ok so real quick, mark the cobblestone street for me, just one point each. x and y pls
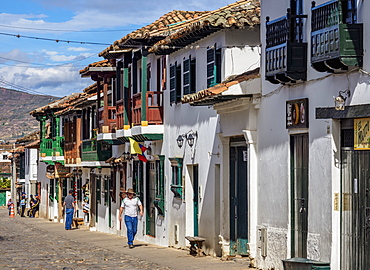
(27, 243)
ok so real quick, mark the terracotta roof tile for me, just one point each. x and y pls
(29, 137)
(103, 63)
(241, 14)
(221, 87)
(156, 28)
(57, 104)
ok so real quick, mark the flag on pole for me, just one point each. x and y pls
(134, 147)
(139, 149)
(142, 157)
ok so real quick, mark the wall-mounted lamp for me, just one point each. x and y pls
(180, 140)
(189, 137)
(340, 100)
(127, 156)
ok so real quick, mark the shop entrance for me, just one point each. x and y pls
(355, 210)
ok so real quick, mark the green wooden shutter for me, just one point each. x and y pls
(211, 67)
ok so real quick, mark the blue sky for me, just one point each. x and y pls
(52, 68)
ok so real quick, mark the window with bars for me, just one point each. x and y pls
(213, 66)
(188, 76)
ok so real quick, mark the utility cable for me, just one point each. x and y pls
(56, 40)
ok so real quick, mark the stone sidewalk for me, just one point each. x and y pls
(143, 256)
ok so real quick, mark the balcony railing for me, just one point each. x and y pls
(46, 147)
(286, 54)
(52, 147)
(334, 43)
(154, 108)
(107, 123)
(93, 150)
(120, 114)
(70, 152)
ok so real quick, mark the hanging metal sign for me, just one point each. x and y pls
(297, 113)
(362, 134)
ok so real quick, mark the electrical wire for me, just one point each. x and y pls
(66, 30)
(56, 40)
(46, 65)
(20, 88)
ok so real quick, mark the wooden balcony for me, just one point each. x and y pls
(71, 153)
(120, 114)
(93, 150)
(107, 123)
(154, 108)
(286, 58)
(52, 147)
(335, 44)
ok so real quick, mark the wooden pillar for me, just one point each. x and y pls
(144, 78)
(78, 137)
(105, 113)
(126, 88)
(98, 105)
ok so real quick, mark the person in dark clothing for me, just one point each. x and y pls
(69, 206)
(32, 202)
(35, 206)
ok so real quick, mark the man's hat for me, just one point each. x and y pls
(130, 190)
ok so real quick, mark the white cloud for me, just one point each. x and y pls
(58, 81)
(78, 49)
(97, 14)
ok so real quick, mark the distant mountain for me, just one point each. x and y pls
(15, 108)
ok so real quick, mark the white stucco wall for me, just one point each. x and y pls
(324, 152)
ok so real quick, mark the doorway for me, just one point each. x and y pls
(150, 198)
(195, 179)
(238, 197)
(299, 194)
(355, 210)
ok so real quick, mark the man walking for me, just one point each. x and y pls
(69, 205)
(130, 204)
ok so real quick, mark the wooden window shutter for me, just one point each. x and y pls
(178, 83)
(173, 82)
(218, 66)
(186, 76)
(164, 72)
(193, 76)
(211, 67)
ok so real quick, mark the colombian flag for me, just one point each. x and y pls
(139, 149)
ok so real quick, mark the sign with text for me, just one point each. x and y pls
(297, 113)
(362, 134)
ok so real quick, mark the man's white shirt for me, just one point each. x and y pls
(131, 206)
